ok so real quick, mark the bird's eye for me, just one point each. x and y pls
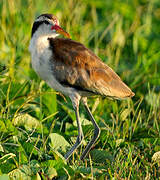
(46, 22)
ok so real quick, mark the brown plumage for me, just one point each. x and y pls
(77, 66)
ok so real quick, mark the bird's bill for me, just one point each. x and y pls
(61, 31)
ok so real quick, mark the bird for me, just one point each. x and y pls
(72, 69)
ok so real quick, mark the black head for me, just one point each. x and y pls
(44, 18)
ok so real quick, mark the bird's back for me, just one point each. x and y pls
(76, 66)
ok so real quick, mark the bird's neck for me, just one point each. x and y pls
(40, 41)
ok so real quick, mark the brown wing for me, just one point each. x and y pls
(77, 66)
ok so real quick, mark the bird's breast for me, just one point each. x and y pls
(41, 62)
(41, 55)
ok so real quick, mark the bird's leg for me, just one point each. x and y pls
(80, 132)
(96, 130)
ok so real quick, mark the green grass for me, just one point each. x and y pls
(37, 124)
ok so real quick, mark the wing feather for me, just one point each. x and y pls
(79, 67)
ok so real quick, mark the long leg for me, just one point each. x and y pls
(96, 130)
(80, 133)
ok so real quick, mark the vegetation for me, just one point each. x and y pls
(37, 124)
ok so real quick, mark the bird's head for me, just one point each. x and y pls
(48, 24)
